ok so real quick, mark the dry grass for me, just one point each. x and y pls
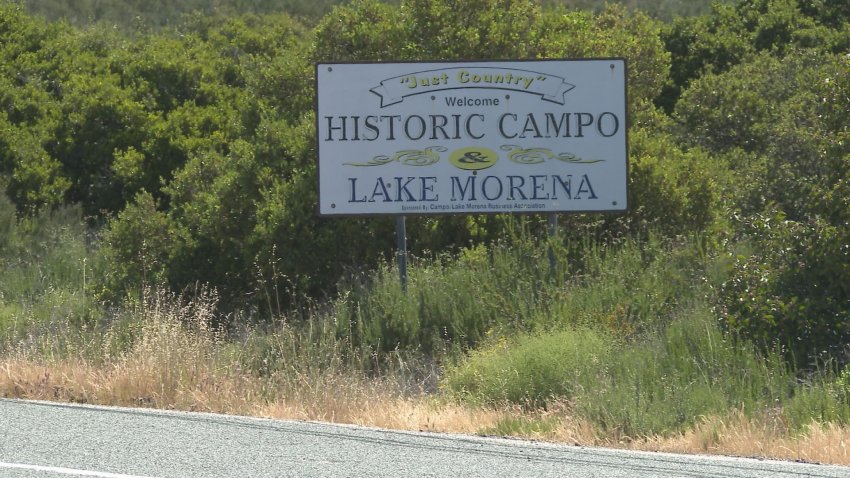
(741, 436)
(176, 361)
(336, 399)
(342, 400)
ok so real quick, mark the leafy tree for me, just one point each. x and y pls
(672, 190)
(28, 111)
(162, 14)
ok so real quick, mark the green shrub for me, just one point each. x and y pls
(139, 244)
(791, 291)
(532, 369)
(451, 302)
(823, 398)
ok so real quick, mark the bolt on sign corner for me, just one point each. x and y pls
(472, 137)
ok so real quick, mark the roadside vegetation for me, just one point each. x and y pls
(159, 246)
(164, 14)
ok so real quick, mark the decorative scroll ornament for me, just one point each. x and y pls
(408, 157)
(540, 155)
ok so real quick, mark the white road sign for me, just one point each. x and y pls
(472, 137)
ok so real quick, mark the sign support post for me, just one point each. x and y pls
(401, 250)
(553, 232)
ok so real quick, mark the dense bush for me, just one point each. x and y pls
(793, 290)
(735, 31)
(785, 120)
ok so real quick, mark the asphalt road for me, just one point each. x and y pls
(47, 440)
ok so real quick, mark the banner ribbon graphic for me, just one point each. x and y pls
(549, 87)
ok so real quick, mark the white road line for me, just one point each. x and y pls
(67, 471)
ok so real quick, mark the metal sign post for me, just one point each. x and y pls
(553, 232)
(401, 247)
